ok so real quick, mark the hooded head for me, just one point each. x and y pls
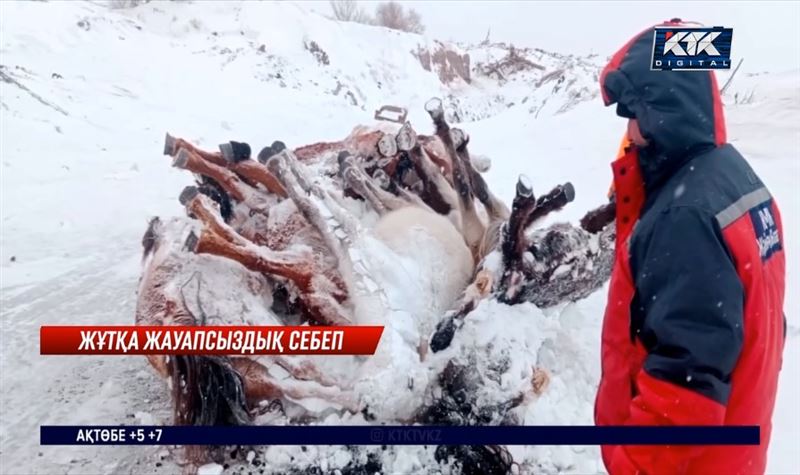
(679, 113)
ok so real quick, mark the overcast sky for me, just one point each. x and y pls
(765, 34)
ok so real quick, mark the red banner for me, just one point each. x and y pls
(213, 340)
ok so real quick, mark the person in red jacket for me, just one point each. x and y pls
(694, 330)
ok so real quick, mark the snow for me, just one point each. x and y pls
(210, 469)
(82, 176)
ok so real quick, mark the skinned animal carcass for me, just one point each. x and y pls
(384, 227)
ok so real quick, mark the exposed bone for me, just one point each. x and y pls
(279, 165)
(285, 166)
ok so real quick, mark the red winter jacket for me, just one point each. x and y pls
(693, 331)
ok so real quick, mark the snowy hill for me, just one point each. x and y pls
(87, 94)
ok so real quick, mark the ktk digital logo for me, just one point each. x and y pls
(691, 49)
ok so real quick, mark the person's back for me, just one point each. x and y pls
(693, 331)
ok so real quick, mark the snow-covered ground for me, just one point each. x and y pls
(86, 96)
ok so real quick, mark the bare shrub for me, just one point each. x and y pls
(393, 15)
(349, 10)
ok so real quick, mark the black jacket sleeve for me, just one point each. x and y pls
(688, 308)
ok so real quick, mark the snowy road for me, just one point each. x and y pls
(74, 390)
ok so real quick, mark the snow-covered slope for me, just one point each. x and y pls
(87, 94)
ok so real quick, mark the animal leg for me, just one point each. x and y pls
(405, 196)
(319, 293)
(173, 144)
(473, 228)
(233, 185)
(436, 191)
(554, 200)
(200, 206)
(380, 199)
(249, 170)
(495, 208)
(297, 266)
(595, 220)
(523, 205)
(254, 172)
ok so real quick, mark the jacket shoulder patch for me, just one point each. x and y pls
(766, 229)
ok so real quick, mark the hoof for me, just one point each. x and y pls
(169, 144)
(278, 146)
(524, 187)
(444, 334)
(188, 194)
(434, 108)
(265, 154)
(181, 159)
(227, 151)
(569, 192)
(270, 151)
(235, 152)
